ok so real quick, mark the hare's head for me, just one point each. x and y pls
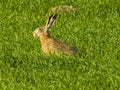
(44, 31)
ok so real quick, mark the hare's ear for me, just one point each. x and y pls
(51, 21)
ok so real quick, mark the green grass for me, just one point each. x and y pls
(94, 29)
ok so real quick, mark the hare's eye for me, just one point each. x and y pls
(40, 29)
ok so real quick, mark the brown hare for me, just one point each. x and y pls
(49, 44)
(65, 8)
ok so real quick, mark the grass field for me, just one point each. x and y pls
(94, 29)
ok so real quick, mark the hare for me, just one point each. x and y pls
(65, 8)
(49, 44)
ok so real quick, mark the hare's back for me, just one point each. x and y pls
(60, 47)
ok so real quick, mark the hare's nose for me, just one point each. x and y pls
(34, 34)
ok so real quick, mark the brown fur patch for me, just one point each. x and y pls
(65, 8)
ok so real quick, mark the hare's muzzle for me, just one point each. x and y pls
(34, 34)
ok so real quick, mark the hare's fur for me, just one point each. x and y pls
(65, 8)
(49, 44)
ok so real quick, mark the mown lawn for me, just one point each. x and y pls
(94, 29)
